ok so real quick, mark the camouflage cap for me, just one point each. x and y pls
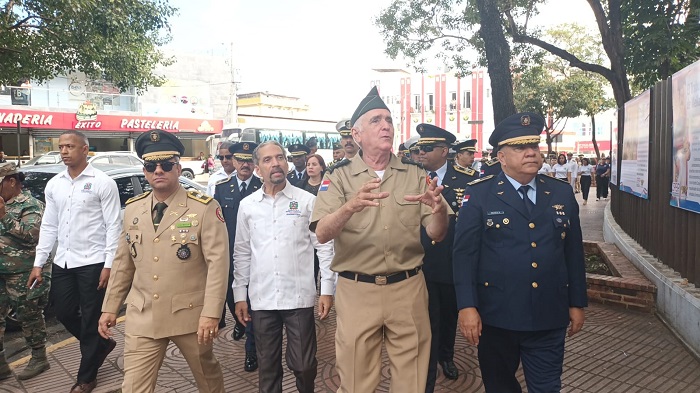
(7, 168)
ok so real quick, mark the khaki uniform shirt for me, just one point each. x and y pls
(172, 275)
(377, 240)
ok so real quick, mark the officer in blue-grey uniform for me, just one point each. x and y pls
(492, 166)
(518, 264)
(298, 152)
(433, 145)
(229, 193)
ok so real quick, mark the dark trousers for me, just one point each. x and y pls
(442, 310)
(249, 333)
(78, 306)
(542, 354)
(316, 270)
(301, 348)
(585, 186)
(601, 186)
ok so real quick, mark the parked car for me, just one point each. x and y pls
(130, 182)
(115, 157)
(45, 159)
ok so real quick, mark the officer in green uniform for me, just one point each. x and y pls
(20, 220)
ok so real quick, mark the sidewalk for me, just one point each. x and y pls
(617, 351)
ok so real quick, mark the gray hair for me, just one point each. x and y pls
(256, 159)
(225, 145)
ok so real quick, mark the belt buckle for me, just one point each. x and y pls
(380, 280)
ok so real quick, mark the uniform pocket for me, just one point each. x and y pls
(409, 212)
(187, 301)
(135, 299)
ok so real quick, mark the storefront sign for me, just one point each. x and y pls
(46, 120)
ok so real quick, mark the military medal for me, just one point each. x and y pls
(128, 238)
(183, 252)
(172, 238)
(195, 223)
(193, 238)
(133, 250)
(136, 220)
(506, 221)
(489, 222)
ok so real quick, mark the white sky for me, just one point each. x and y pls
(321, 51)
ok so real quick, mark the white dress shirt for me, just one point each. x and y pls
(274, 251)
(441, 172)
(82, 214)
(215, 178)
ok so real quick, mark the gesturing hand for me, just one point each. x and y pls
(432, 197)
(365, 197)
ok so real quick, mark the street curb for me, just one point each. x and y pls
(54, 347)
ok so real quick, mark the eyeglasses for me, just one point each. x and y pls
(227, 156)
(166, 166)
(429, 148)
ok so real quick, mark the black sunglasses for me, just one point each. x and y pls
(166, 166)
(228, 157)
(429, 148)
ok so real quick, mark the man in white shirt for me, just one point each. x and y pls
(573, 169)
(82, 214)
(227, 168)
(274, 265)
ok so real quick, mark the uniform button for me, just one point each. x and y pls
(498, 225)
(534, 285)
(190, 306)
(533, 244)
(155, 278)
(534, 265)
(155, 259)
(155, 296)
(386, 227)
(486, 284)
(532, 225)
(433, 242)
(156, 240)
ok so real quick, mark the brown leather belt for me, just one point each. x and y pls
(381, 280)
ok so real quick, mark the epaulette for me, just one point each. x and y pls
(479, 180)
(222, 181)
(199, 197)
(138, 197)
(492, 162)
(409, 161)
(565, 181)
(466, 171)
(337, 165)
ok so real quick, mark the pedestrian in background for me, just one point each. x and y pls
(171, 268)
(372, 206)
(20, 220)
(560, 170)
(586, 171)
(545, 169)
(602, 177)
(82, 214)
(518, 264)
(227, 169)
(273, 258)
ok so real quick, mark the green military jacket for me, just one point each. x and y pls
(19, 233)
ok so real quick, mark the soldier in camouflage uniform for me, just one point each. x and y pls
(20, 220)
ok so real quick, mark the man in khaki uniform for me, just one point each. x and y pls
(373, 206)
(173, 262)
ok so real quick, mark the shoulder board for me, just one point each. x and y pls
(561, 180)
(466, 171)
(409, 161)
(222, 181)
(338, 164)
(199, 197)
(138, 197)
(480, 180)
(492, 162)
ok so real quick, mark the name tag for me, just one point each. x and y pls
(495, 213)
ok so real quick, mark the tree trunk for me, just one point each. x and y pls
(595, 143)
(498, 57)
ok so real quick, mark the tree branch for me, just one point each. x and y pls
(568, 56)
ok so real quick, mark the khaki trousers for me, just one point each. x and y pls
(396, 314)
(143, 357)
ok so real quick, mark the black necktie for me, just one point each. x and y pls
(160, 208)
(298, 175)
(432, 175)
(526, 199)
(243, 188)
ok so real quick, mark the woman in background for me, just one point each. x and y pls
(315, 169)
(560, 170)
(586, 170)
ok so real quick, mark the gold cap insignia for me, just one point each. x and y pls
(246, 146)
(154, 136)
(525, 120)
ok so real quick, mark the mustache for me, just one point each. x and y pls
(276, 170)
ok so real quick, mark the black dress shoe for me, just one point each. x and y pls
(449, 369)
(251, 362)
(238, 332)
